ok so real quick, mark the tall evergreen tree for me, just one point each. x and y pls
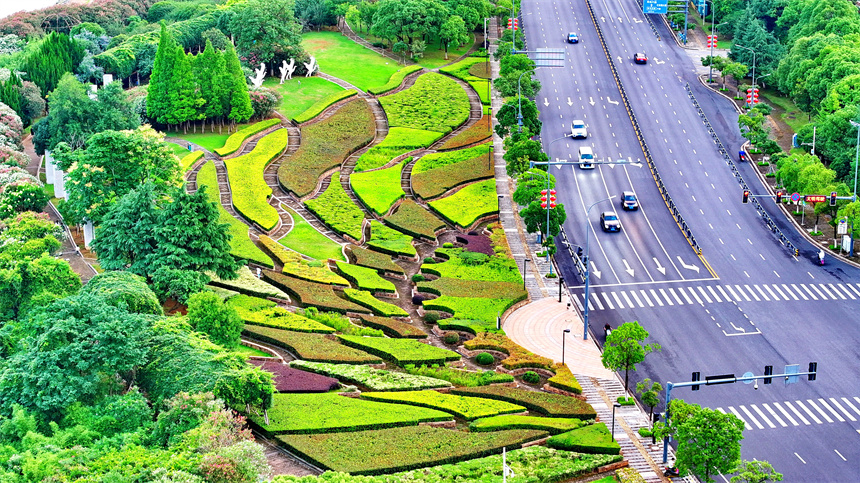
(183, 94)
(56, 55)
(158, 95)
(240, 102)
(208, 75)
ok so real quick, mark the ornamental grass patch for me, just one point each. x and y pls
(471, 326)
(400, 449)
(325, 145)
(399, 140)
(594, 438)
(564, 380)
(396, 80)
(247, 284)
(372, 378)
(188, 160)
(310, 347)
(372, 259)
(464, 266)
(249, 190)
(378, 307)
(460, 377)
(305, 239)
(340, 323)
(414, 220)
(380, 188)
(553, 405)
(468, 204)
(287, 379)
(464, 407)
(296, 266)
(435, 103)
(337, 211)
(471, 308)
(518, 356)
(390, 241)
(365, 278)
(321, 105)
(516, 421)
(480, 131)
(436, 173)
(401, 351)
(235, 141)
(393, 327)
(325, 413)
(312, 294)
(258, 311)
(473, 288)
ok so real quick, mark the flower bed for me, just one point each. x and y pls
(371, 259)
(287, 379)
(378, 307)
(499, 268)
(396, 80)
(468, 204)
(399, 140)
(235, 141)
(326, 144)
(473, 288)
(325, 413)
(365, 278)
(554, 405)
(373, 379)
(564, 380)
(465, 407)
(480, 131)
(378, 189)
(296, 266)
(337, 211)
(435, 103)
(249, 189)
(189, 159)
(248, 284)
(305, 239)
(390, 241)
(436, 173)
(412, 219)
(312, 294)
(517, 355)
(460, 377)
(321, 105)
(472, 308)
(401, 351)
(590, 439)
(471, 326)
(257, 311)
(515, 421)
(400, 449)
(310, 347)
(393, 327)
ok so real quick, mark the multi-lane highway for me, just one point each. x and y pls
(747, 301)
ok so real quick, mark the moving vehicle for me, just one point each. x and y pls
(640, 58)
(629, 201)
(578, 129)
(609, 221)
(572, 38)
(586, 158)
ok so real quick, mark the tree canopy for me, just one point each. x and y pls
(625, 349)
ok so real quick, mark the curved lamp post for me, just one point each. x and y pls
(548, 208)
(587, 277)
(753, 66)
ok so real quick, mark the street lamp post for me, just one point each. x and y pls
(587, 277)
(525, 261)
(856, 159)
(565, 332)
(614, 407)
(520, 103)
(547, 212)
(753, 66)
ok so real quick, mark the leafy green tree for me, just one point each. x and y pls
(264, 30)
(208, 69)
(735, 70)
(125, 239)
(124, 290)
(530, 183)
(367, 10)
(22, 197)
(789, 168)
(184, 97)
(183, 412)
(453, 31)
(208, 313)
(535, 218)
(751, 32)
(508, 113)
(315, 13)
(55, 55)
(649, 395)
(158, 95)
(805, 18)
(851, 212)
(755, 472)
(709, 442)
(170, 283)
(520, 151)
(240, 109)
(625, 349)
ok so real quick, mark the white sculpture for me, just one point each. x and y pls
(257, 81)
(311, 66)
(287, 70)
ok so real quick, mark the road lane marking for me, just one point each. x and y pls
(845, 289)
(677, 299)
(636, 297)
(657, 298)
(837, 291)
(734, 295)
(668, 300)
(725, 296)
(773, 295)
(740, 291)
(736, 413)
(693, 292)
(707, 299)
(751, 417)
(774, 415)
(789, 292)
(608, 302)
(815, 406)
(810, 413)
(763, 417)
(795, 411)
(753, 293)
(618, 300)
(645, 296)
(785, 413)
(827, 406)
(808, 291)
(716, 297)
(763, 295)
(684, 293)
(821, 295)
(847, 414)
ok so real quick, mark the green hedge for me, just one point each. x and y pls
(565, 380)
(461, 70)
(473, 288)
(401, 351)
(325, 145)
(321, 105)
(464, 407)
(365, 278)
(380, 188)
(311, 294)
(396, 80)
(337, 211)
(554, 405)
(436, 173)
(378, 307)
(414, 220)
(400, 140)
(514, 421)
(435, 103)
(390, 241)
(258, 311)
(460, 377)
(247, 284)
(400, 449)
(305, 239)
(298, 413)
(590, 439)
(249, 189)
(371, 259)
(235, 141)
(471, 326)
(296, 266)
(468, 204)
(310, 347)
(472, 308)
(373, 379)
(496, 268)
(393, 327)
(480, 131)
(189, 159)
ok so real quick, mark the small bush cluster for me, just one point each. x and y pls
(378, 307)
(321, 105)
(517, 355)
(249, 189)
(553, 405)
(594, 438)
(337, 211)
(412, 219)
(311, 294)
(564, 380)
(395, 81)
(465, 407)
(365, 278)
(373, 379)
(380, 188)
(235, 141)
(531, 377)
(460, 377)
(401, 351)
(629, 475)
(390, 241)
(310, 347)
(340, 323)
(436, 173)
(484, 359)
(468, 204)
(393, 327)
(451, 338)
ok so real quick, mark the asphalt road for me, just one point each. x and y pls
(747, 301)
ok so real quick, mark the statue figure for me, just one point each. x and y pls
(257, 81)
(287, 70)
(311, 66)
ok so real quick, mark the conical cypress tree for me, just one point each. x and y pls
(240, 103)
(183, 94)
(157, 97)
(208, 81)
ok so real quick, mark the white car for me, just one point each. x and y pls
(578, 129)
(586, 158)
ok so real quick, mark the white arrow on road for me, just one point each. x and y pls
(619, 59)
(627, 267)
(569, 102)
(602, 19)
(637, 20)
(637, 164)
(545, 101)
(619, 19)
(594, 271)
(611, 101)
(688, 267)
(661, 268)
(658, 62)
(591, 101)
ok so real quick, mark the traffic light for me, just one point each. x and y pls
(697, 376)
(746, 196)
(832, 198)
(768, 371)
(813, 368)
(779, 195)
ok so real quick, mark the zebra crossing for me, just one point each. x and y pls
(631, 298)
(786, 414)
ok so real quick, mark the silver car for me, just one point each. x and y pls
(578, 129)
(609, 221)
(629, 201)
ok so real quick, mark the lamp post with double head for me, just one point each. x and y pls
(753, 66)
(587, 277)
(856, 160)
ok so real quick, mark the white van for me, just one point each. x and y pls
(586, 158)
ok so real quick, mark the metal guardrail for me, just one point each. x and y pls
(664, 192)
(768, 221)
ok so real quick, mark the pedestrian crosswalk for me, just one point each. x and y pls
(786, 414)
(609, 299)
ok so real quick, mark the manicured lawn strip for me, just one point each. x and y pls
(189, 159)
(325, 413)
(470, 326)
(318, 107)
(472, 288)
(461, 70)
(305, 239)
(296, 266)
(310, 347)
(396, 80)
(342, 58)
(247, 284)
(460, 377)
(341, 323)
(469, 203)
(179, 151)
(292, 380)
(444, 171)
(434, 56)
(312, 294)
(378, 189)
(399, 140)
(412, 219)
(590, 439)
(377, 306)
(479, 131)
(365, 278)
(241, 245)
(208, 140)
(234, 142)
(257, 311)
(249, 189)
(248, 351)
(517, 355)
(393, 327)
(499, 268)
(565, 380)
(471, 308)
(336, 210)
(400, 449)
(401, 351)
(435, 103)
(325, 145)
(371, 259)
(465, 407)
(553, 405)
(300, 92)
(390, 241)
(373, 379)
(514, 421)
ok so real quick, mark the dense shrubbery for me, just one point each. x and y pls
(555, 405)
(436, 173)
(565, 380)
(365, 278)
(373, 379)
(513, 421)
(400, 140)
(434, 103)
(401, 351)
(249, 190)
(393, 327)
(480, 131)
(471, 308)
(258, 311)
(460, 377)
(340, 323)
(371, 259)
(412, 219)
(472, 288)
(462, 70)
(311, 347)
(465, 407)
(336, 210)
(590, 439)
(248, 284)
(318, 107)
(470, 266)
(311, 294)
(293, 380)
(297, 266)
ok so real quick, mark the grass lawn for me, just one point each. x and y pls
(343, 58)
(306, 240)
(251, 352)
(179, 151)
(434, 56)
(299, 93)
(208, 140)
(793, 116)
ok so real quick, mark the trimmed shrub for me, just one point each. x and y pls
(465, 407)
(321, 105)
(189, 159)
(417, 299)
(471, 326)
(485, 359)
(390, 241)
(378, 307)
(531, 377)
(517, 355)
(418, 278)
(460, 377)
(565, 380)
(554, 405)
(399, 140)
(249, 189)
(287, 379)
(340, 323)
(371, 259)
(373, 379)
(412, 219)
(480, 131)
(435, 103)
(298, 267)
(465, 265)
(393, 327)
(235, 141)
(396, 80)
(451, 338)
(515, 421)
(311, 294)
(257, 311)
(401, 351)
(337, 211)
(431, 317)
(473, 288)
(645, 432)
(365, 278)
(468, 204)
(378, 189)
(310, 347)
(464, 70)
(248, 284)
(626, 401)
(590, 439)
(436, 173)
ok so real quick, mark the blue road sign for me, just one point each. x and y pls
(655, 6)
(795, 197)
